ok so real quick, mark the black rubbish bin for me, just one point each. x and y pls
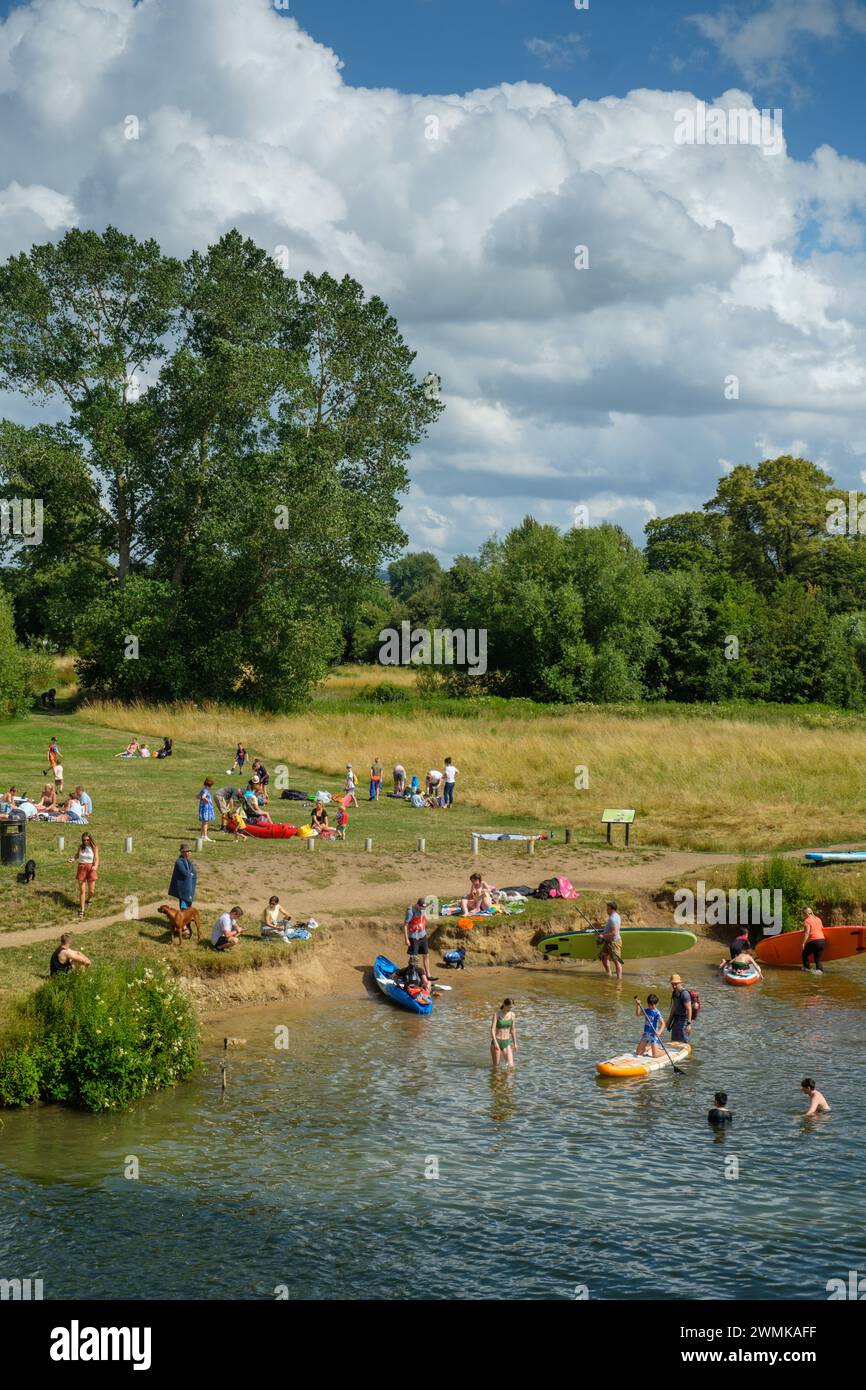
(13, 841)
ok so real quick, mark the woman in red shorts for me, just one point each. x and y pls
(86, 858)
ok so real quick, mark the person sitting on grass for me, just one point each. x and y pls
(73, 811)
(130, 751)
(479, 898)
(166, 749)
(47, 803)
(85, 800)
(319, 819)
(65, 959)
(275, 922)
(254, 811)
(226, 933)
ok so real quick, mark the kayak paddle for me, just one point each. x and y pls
(678, 1070)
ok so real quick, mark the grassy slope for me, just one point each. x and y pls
(750, 780)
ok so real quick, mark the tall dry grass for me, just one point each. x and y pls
(714, 784)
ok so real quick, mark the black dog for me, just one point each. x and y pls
(29, 872)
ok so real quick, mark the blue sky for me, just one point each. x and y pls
(451, 155)
(615, 45)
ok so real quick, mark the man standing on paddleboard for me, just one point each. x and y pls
(679, 1021)
(611, 942)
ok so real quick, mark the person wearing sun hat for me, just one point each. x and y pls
(679, 1022)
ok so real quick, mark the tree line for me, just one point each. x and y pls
(761, 595)
(220, 469)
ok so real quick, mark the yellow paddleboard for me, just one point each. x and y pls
(630, 1064)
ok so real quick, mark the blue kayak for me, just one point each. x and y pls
(384, 971)
(851, 856)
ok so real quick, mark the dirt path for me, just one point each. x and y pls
(326, 889)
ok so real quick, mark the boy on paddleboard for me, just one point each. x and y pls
(653, 1025)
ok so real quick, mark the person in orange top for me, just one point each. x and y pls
(814, 940)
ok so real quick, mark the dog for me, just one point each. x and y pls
(182, 919)
(29, 872)
(454, 960)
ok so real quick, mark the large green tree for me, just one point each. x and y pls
(244, 439)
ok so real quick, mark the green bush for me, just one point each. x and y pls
(100, 1039)
(788, 876)
(19, 1077)
(386, 695)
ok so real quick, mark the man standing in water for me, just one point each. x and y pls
(817, 1102)
(611, 942)
(680, 1017)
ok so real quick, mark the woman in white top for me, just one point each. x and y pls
(87, 860)
(275, 922)
(350, 784)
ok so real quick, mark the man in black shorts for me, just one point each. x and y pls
(415, 932)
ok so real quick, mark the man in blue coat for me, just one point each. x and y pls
(183, 878)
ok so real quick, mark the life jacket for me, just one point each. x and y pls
(417, 925)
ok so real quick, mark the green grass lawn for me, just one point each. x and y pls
(155, 801)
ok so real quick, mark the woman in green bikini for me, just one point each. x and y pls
(503, 1034)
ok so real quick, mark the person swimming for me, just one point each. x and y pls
(817, 1102)
(720, 1114)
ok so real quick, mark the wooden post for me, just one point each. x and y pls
(531, 846)
(475, 846)
(127, 844)
(311, 842)
(199, 843)
(422, 845)
(368, 845)
(61, 841)
(568, 834)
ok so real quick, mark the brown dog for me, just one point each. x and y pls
(181, 918)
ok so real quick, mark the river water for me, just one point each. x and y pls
(378, 1156)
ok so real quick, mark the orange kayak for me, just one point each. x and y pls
(786, 949)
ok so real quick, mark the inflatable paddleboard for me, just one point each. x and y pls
(630, 1064)
(638, 943)
(740, 977)
(841, 857)
(787, 948)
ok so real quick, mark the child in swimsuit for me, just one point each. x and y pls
(503, 1034)
(653, 1025)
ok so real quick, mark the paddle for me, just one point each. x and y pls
(678, 1070)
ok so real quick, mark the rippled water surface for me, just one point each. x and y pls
(312, 1172)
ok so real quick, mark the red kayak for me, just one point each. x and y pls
(269, 832)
